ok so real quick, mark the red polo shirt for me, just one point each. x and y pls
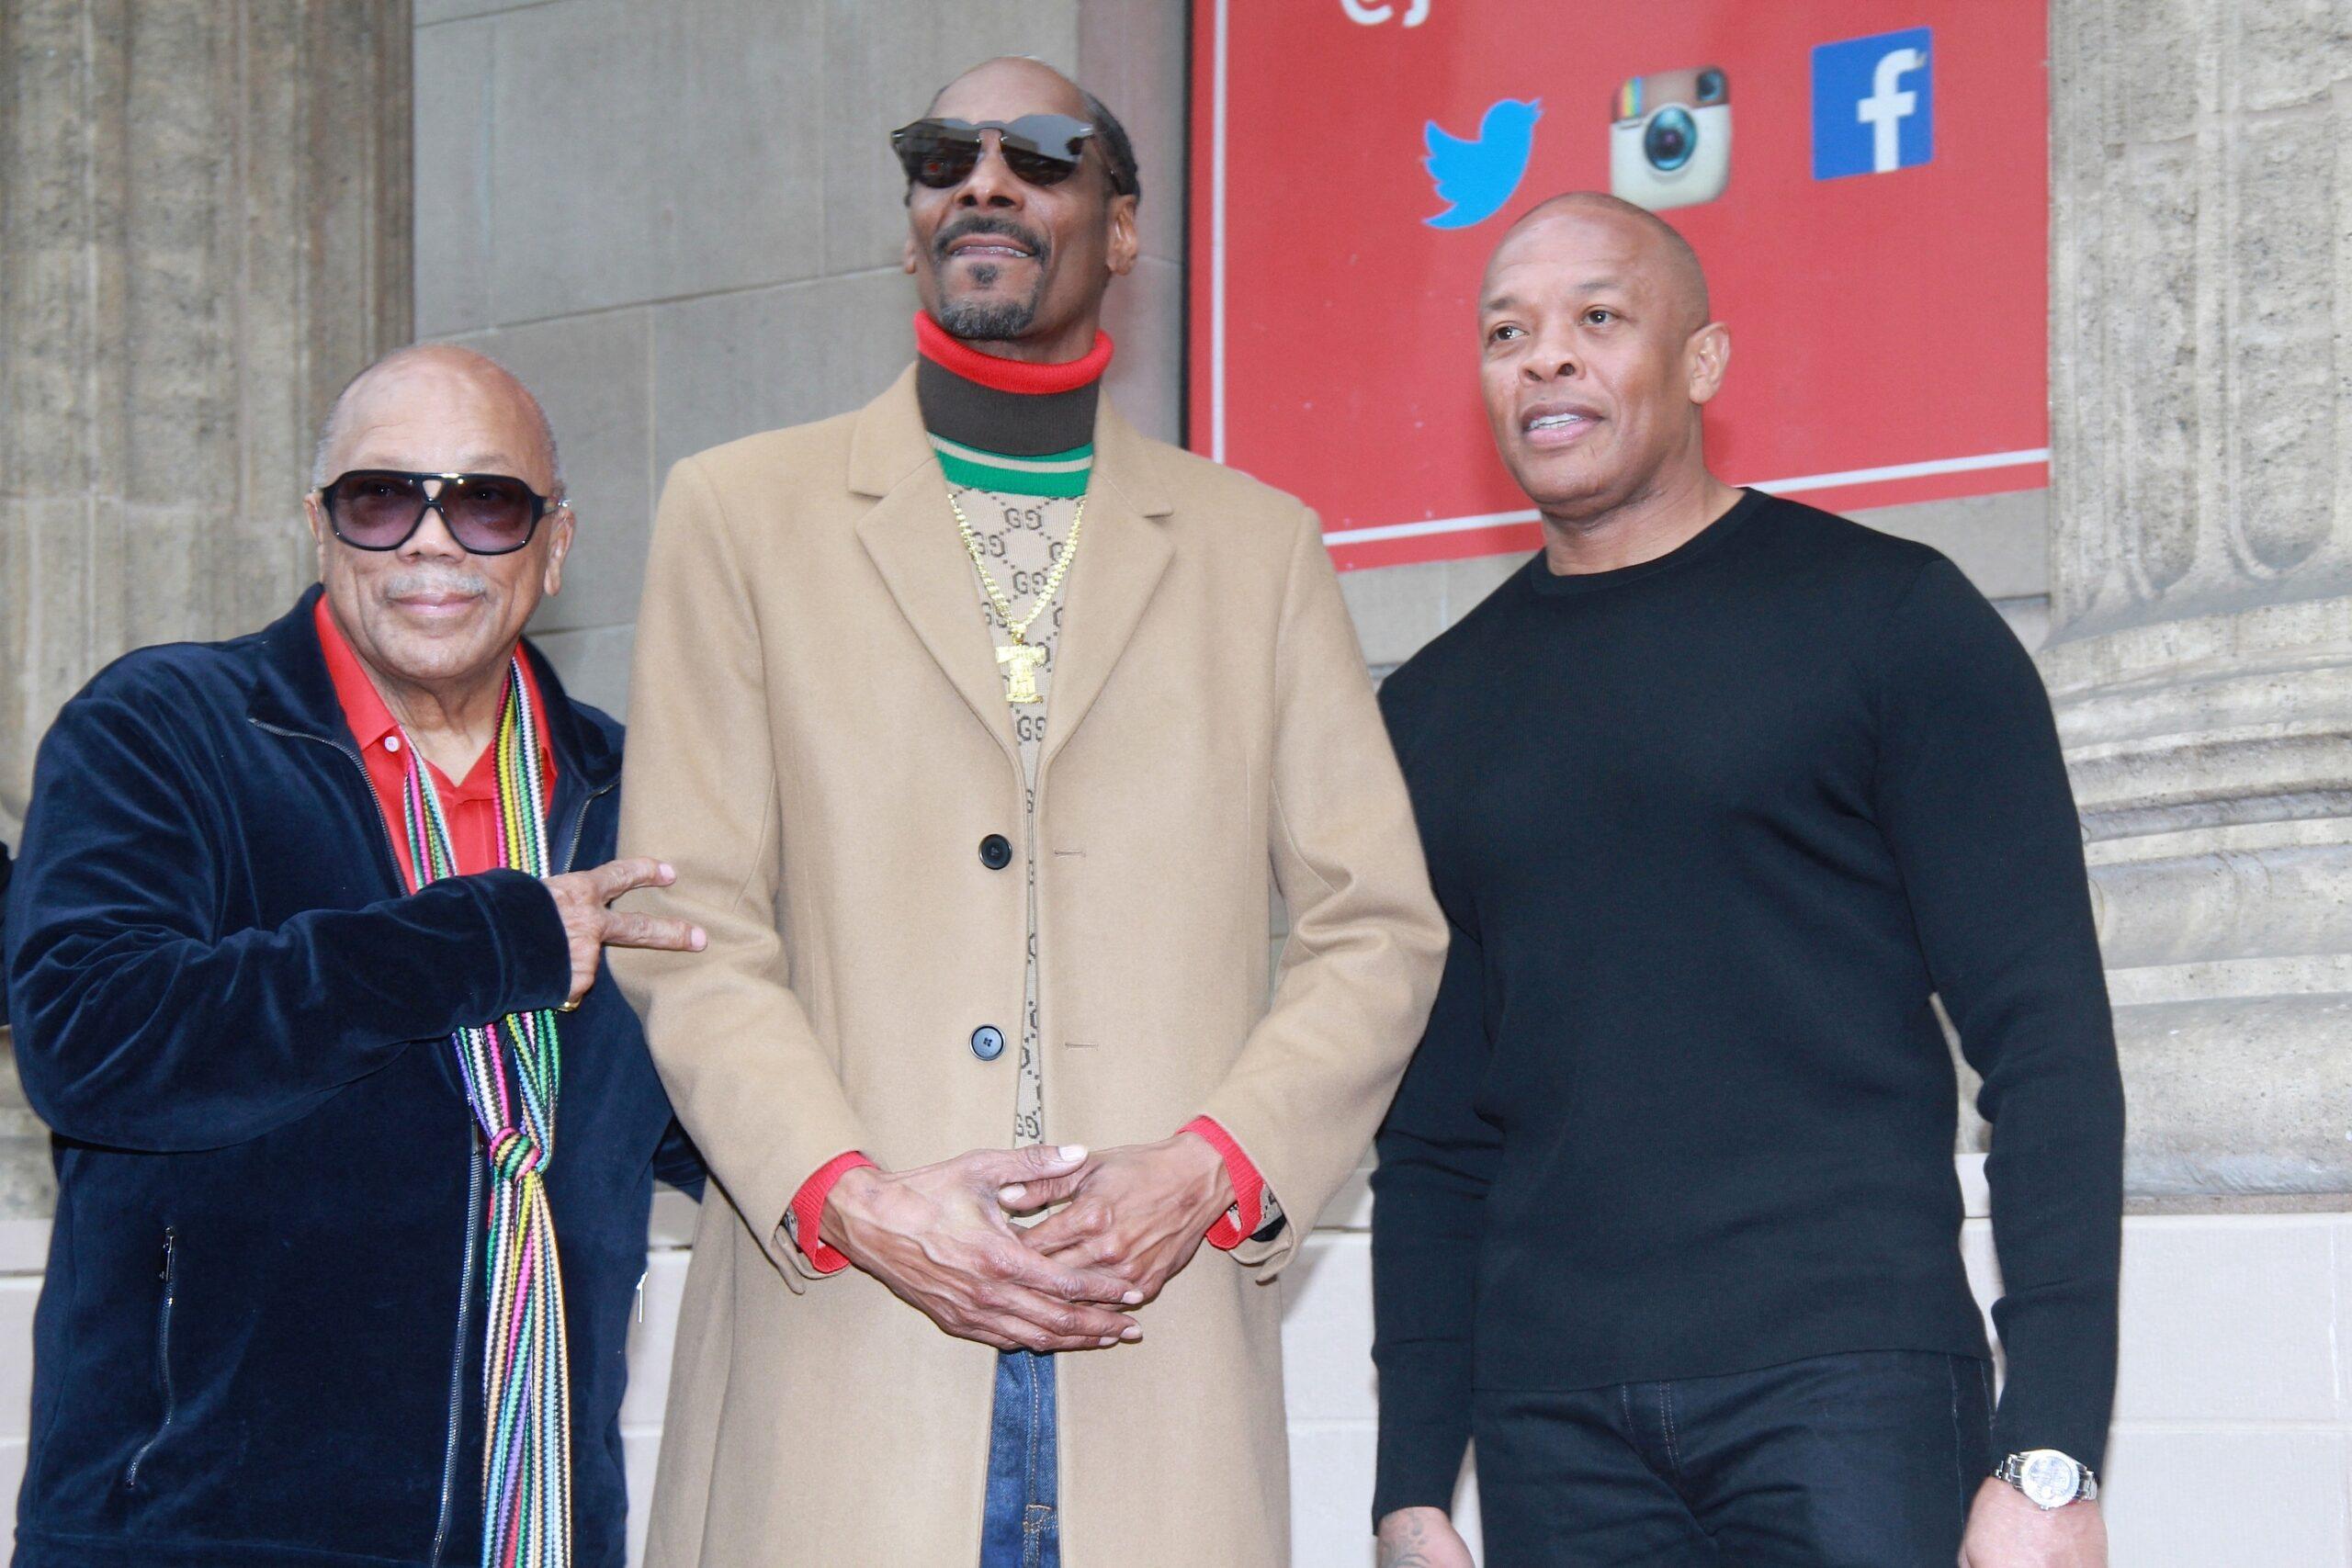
(471, 808)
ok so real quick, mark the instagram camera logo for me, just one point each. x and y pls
(1669, 141)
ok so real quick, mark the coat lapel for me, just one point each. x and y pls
(910, 536)
(1121, 554)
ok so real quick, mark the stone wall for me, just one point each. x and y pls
(2201, 652)
(204, 232)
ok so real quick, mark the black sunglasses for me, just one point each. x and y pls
(1040, 149)
(381, 508)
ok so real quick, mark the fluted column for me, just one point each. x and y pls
(2200, 654)
(204, 229)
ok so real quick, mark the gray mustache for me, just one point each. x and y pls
(403, 585)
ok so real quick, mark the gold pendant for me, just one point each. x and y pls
(1019, 664)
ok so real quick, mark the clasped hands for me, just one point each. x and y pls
(942, 1237)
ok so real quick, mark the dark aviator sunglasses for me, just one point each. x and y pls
(1040, 149)
(381, 509)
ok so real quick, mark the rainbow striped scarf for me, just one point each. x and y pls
(513, 1067)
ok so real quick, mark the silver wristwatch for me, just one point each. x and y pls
(2048, 1478)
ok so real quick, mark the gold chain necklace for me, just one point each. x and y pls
(1019, 661)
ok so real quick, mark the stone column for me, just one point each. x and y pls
(2200, 654)
(204, 231)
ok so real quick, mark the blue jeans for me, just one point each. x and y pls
(1860, 1460)
(1020, 1527)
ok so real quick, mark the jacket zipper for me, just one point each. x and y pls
(473, 1160)
(458, 1357)
(170, 1276)
(579, 824)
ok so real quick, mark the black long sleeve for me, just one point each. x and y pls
(1713, 830)
(1437, 1160)
(2023, 989)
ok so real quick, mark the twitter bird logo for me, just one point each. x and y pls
(1476, 177)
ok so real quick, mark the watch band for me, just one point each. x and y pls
(2012, 1470)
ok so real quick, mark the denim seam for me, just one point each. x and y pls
(1036, 1410)
(1665, 1422)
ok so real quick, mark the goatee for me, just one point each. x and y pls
(987, 320)
(990, 321)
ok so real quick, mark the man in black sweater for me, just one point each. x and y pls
(1717, 793)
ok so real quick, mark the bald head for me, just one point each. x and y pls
(1653, 243)
(446, 375)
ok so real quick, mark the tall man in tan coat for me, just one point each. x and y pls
(979, 729)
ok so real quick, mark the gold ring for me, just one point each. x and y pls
(567, 1007)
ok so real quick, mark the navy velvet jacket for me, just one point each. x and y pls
(260, 1336)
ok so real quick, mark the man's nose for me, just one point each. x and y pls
(433, 540)
(1552, 364)
(991, 182)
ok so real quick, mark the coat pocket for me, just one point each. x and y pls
(170, 1277)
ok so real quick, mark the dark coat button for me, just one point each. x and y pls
(988, 1042)
(995, 851)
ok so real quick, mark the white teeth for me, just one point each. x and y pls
(1554, 420)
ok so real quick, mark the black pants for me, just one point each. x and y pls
(1862, 1461)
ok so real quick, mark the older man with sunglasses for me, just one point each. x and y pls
(980, 729)
(303, 952)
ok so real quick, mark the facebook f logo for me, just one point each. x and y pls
(1873, 105)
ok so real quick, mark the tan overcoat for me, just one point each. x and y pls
(819, 741)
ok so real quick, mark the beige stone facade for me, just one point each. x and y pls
(2201, 571)
(204, 232)
(677, 218)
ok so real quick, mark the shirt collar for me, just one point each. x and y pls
(363, 706)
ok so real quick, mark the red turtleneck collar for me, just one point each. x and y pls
(934, 342)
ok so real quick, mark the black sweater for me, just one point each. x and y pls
(1711, 829)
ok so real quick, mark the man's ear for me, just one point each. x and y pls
(559, 547)
(907, 255)
(1125, 244)
(1705, 358)
(315, 515)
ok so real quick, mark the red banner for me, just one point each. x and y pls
(1867, 186)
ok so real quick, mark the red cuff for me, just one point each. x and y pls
(809, 1208)
(1240, 1223)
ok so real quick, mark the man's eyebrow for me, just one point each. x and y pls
(1590, 286)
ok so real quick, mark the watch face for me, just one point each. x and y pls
(2048, 1478)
